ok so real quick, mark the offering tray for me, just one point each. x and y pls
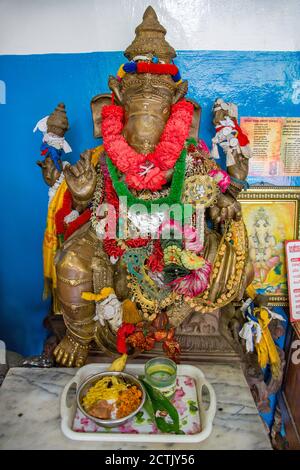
(196, 412)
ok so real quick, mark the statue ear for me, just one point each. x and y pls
(97, 104)
(195, 127)
(115, 86)
(181, 91)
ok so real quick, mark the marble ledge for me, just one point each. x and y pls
(30, 416)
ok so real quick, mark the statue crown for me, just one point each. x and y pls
(150, 39)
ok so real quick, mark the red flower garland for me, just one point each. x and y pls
(81, 220)
(165, 155)
(123, 332)
(67, 229)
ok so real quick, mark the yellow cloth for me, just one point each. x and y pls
(50, 243)
(251, 292)
(103, 294)
(266, 348)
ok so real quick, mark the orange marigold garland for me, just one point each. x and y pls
(145, 335)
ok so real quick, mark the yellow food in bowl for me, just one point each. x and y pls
(107, 388)
(111, 398)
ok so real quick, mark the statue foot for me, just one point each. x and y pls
(69, 352)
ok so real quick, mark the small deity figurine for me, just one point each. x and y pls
(145, 229)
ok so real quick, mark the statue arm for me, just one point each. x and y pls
(234, 142)
(240, 169)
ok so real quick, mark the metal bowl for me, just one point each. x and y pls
(90, 381)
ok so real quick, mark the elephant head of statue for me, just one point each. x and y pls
(146, 97)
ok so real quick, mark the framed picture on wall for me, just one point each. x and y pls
(271, 215)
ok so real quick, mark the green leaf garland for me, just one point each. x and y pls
(176, 188)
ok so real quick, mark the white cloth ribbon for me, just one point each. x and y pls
(145, 169)
(245, 306)
(274, 315)
(249, 330)
(226, 139)
(230, 107)
(57, 142)
(50, 138)
(214, 151)
(228, 152)
(73, 215)
(109, 309)
(52, 190)
(41, 125)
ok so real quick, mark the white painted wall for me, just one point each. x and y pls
(43, 26)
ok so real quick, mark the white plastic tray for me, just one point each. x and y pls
(68, 410)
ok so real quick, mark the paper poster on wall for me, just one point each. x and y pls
(275, 144)
(292, 249)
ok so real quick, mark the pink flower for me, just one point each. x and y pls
(202, 146)
(85, 421)
(221, 177)
(196, 428)
(180, 406)
(154, 429)
(191, 241)
(128, 428)
(194, 283)
(179, 393)
(189, 382)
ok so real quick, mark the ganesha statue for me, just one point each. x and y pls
(145, 230)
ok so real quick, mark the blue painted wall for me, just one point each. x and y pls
(260, 83)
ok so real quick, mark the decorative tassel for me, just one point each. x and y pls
(229, 157)
(214, 151)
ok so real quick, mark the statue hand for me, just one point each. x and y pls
(226, 208)
(81, 177)
(49, 171)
